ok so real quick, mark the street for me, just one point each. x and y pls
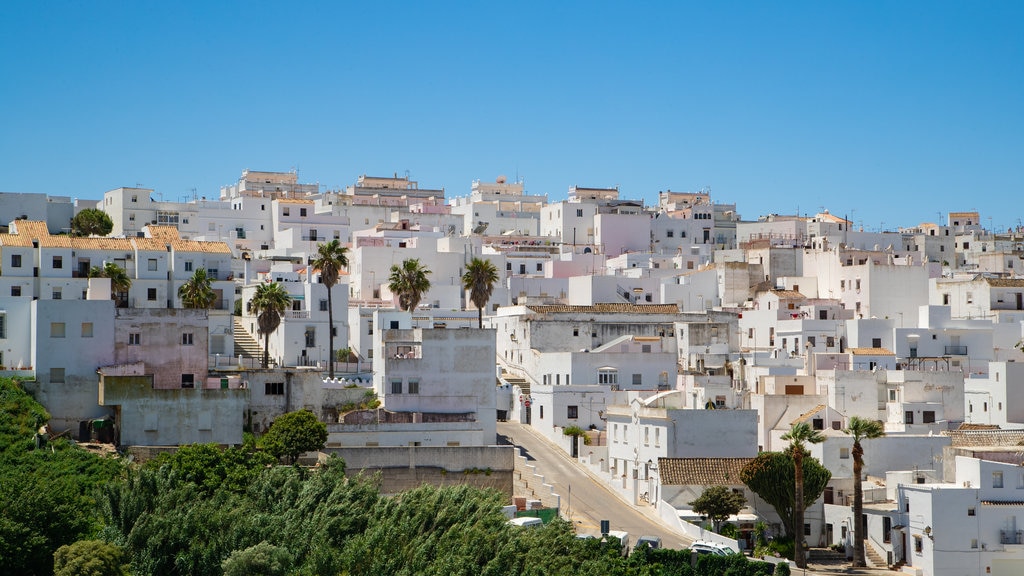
(586, 501)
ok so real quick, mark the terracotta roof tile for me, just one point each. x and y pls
(165, 233)
(196, 246)
(32, 228)
(977, 438)
(293, 201)
(809, 414)
(701, 471)
(149, 244)
(872, 351)
(608, 308)
(788, 294)
(1005, 282)
(15, 240)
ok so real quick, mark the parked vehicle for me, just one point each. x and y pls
(527, 522)
(706, 547)
(623, 540)
(653, 541)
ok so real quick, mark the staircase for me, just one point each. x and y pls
(245, 344)
(826, 556)
(872, 557)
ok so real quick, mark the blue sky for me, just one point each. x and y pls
(892, 112)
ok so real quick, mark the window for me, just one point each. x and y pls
(396, 386)
(56, 329)
(86, 329)
(579, 213)
(637, 379)
(997, 479)
(188, 380)
(151, 264)
(3, 332)
(286, 211)
(670, 233)
(414, 386)
(310, 337)
(56, 375)
(971, 511)
(134, 339)
(15, 290)
(657, 437)
(369, 327)
(541, 412)
(15, 260)
(844, 453)
(608, 376)
(928, 417)
(540, 267)
(876, 342)
(918, 546)
(807, 529)
(302, 211)
(57, 294)
(908, 417)
(186, 339)
(575, 331)
(572, 412)
(135, 198)
(273, 389)
(615, 433)
(151, 294)
(323, 305)
(312, 232)
(188, 265)
(645, 348)
(58, 261)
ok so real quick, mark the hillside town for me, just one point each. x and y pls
(660, 347)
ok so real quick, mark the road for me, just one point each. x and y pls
(584, 500)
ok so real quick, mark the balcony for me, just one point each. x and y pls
(296, 314)
(1011, 536)
(956, 350)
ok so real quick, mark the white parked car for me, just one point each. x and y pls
(706, 547)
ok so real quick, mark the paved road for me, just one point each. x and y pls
(589, 501)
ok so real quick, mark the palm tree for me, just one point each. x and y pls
(120, 282)
(410, 282)
(860, 429)
(268, 304)
(198, 292)
(331, 257)
(798, 435)
(479, 279)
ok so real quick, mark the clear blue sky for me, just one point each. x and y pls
(889, 111)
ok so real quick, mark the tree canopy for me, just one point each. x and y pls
(91, 221)
(268, 304)
(718, 503)
(772, 476)
(409, 282)
(197, 291)
(480, 277)
(120, 282)
(294, 434)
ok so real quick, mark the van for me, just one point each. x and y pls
(623, 539)
(654, 542)
(527, 522)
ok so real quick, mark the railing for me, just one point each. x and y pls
(1011, 537)
(956, 350)
(296, 314)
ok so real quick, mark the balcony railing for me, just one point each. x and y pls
(296, 314)
(956, 350)
(1011, 537)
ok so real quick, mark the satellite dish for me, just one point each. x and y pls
(480, 227)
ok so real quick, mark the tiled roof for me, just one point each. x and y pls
(788, 294)
(871, 351)
(608, 308)
(293, 201)
(1005, 282)
(101, 243)
(150, 244)
(701, 471)
(970, 426)
(978, 438)
(15, 240)
(165, 233)
(31, 228)
(196, 246)
(809, 414)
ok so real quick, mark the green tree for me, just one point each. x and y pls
(718, 503)
(268, 304)
(772, 476)
(197, 291)
(120, 282)
(263, 558)
(331, 257)
(91, 221)
(860, 429)
(409, 281)
(212, 468)
(480, 278)
(294, 434)
(798, 435)
(88, 558)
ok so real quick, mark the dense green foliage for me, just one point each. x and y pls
(294, 434)
(88, 558)
(409, 282)
(91, 221)
(197, 291)
(269, 303)
(718, 503)
(45, 493)
(480, 277)
(211, 468)
(772, 477)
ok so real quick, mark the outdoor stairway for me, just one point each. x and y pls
(871, 556)
(245, 344)
(826, 556)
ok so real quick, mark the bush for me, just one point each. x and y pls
(782, 569)
(263, 558)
